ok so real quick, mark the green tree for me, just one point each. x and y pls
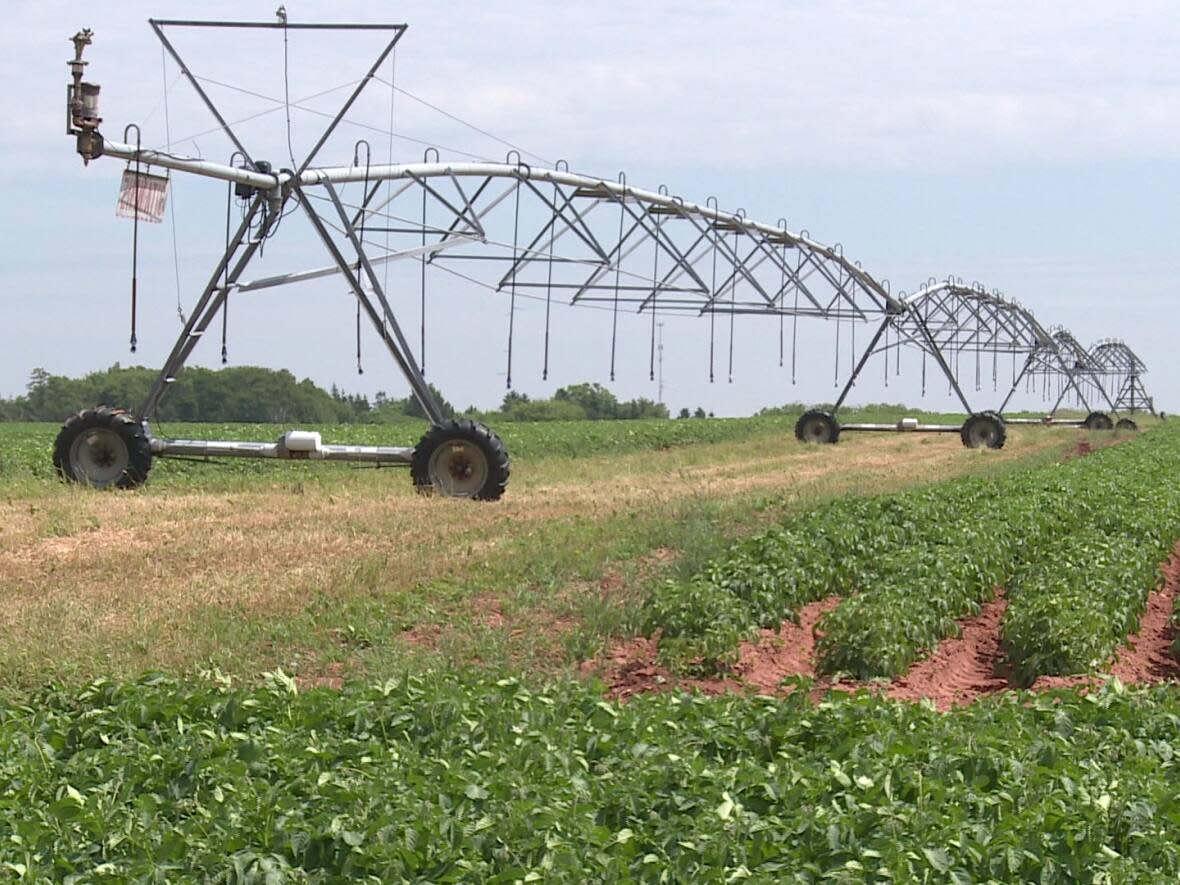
(594, 399)
(410, 405)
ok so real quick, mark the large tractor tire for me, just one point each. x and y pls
(461, 459)
(817, 427)
(103, 448)
(1098, 421)
(984, 430)
(1126, 424)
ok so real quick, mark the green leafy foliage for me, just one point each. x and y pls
(456, 780)
(1078, 546)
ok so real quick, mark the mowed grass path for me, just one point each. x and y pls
(350, 573)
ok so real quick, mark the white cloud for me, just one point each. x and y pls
(754, 100)
(863, 85)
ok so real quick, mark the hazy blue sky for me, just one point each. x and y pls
(1033, 146)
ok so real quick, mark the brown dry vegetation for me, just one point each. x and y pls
(365, 575)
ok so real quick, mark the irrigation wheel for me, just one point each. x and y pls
(817, 426)
(103, 448)
(984, 430)
(1098, 421)
(1126, 424)
(460, 459)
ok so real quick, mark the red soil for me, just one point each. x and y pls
(1146, 658)
(958, 671)
(632, 668)
(961, 668)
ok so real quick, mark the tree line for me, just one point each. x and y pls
(257, 395)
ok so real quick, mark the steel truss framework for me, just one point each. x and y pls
(944, 320)
(551, 233)
(511, 227)
(1122, 369)
(1074, 370)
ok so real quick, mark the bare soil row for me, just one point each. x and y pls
(958, 671)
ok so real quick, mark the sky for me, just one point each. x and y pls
(1031, 146)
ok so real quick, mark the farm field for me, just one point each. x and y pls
(437, 706)
(23, 458)
(348, 572)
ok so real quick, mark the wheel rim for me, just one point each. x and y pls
(815, 431)
(458, 468)
(99, 457)
(981, 434)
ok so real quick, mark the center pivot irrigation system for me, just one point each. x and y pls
(548, 234)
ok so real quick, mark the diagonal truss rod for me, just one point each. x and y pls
(945, 319)
(757, 270)
(271, 194)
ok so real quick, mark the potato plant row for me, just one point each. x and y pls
(1077, 545)
(459, 779)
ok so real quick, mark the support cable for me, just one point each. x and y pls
(549, 285)
(422, 283)
(996, 357)
(733, 302)
(782, 294)
(365, 196)
(134, 240)
(614, 326)
(836, 361)
(389, 183)
(897, 356)
(282, 13)
(229, 198)
(795, 319)
(978, 351)
(172, 214)
(519, 150)
(712, 295)
(655, 277)
(852, 352)
(512, 285)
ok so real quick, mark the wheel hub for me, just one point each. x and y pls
(459, 468)
(816, 431)
(99, 456)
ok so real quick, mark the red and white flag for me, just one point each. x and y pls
(143, 196)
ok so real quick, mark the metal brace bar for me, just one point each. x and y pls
(403, 355)
(864, 358)
(193, 329)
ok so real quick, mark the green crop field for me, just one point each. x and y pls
(286, 673)
(25, 447)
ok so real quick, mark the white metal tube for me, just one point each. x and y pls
(191, 164)
(346, 174)
(897, 428)
(220, 448)
(609, 190)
